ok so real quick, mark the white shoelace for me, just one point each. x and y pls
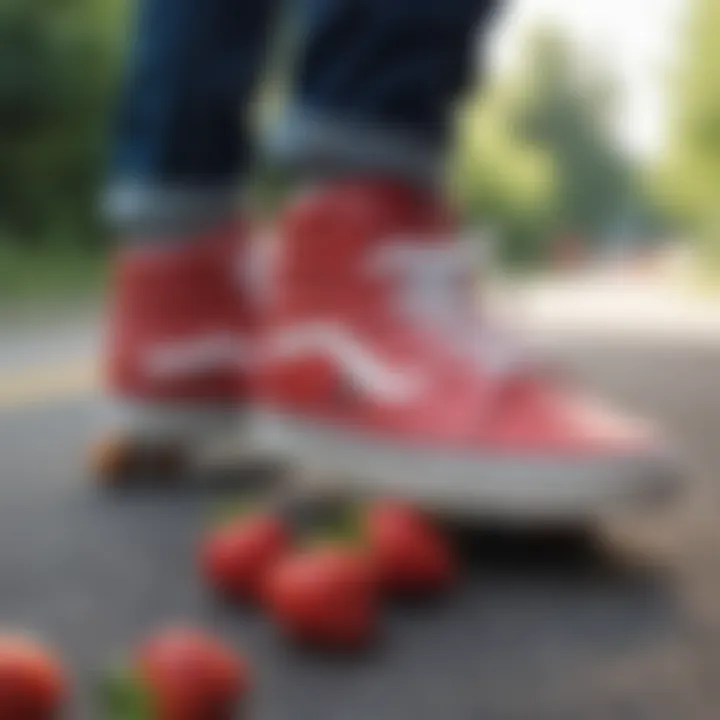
(437, 292)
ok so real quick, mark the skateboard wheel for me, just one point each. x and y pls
(119, 462)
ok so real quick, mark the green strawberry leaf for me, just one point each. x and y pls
(125, 697)
(233, 511)
(346, 527)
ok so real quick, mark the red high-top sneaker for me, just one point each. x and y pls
(178, 348)
(375, 369)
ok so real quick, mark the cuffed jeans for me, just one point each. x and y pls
(374, 89)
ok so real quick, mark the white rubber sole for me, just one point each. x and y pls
(538, 488)
(159, 422)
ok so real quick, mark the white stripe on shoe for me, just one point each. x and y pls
(361, 366)
(196, 356)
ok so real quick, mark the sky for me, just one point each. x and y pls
(638, 40)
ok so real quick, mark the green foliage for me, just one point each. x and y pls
(538, 159)
(568, 115)
(61, 270)
(690, 178)
(58, 62)
(535, 161)
(506, 184)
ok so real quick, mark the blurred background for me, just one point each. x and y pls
(590, 156)
(596, 134)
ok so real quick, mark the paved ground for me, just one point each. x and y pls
(622, 626)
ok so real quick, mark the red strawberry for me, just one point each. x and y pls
(236, 557)
(180, 674)
(410, 554)
(325, 596)
(32, 682)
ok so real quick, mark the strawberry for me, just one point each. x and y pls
(410, 554)
(325, 596)
(32, 682)
(236, 557)
(179, 674)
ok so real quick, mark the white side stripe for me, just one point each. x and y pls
(213, 351)
(360, 365)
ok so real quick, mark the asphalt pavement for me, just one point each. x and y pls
(619, 623)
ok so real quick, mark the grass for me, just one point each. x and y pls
(52, 276)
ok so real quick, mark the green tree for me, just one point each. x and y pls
(57, 65)
(504, 182)
(539, 158)
(690, 179)
(568, 114)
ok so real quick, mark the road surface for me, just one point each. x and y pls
(624, 625)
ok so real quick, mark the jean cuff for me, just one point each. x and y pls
(320, 144)
(137, 210)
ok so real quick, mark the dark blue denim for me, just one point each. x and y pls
(393, 66)
(193, 66)
(395, 63)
